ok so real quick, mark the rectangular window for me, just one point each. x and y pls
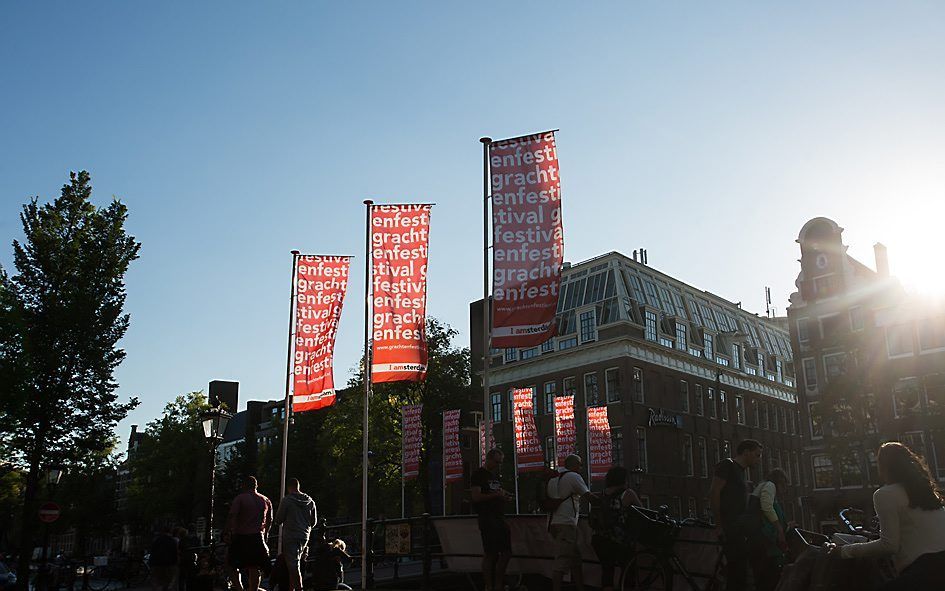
(548, 346)
(899, 340)
(797, 469)
(550, 451)
(792, 421)
(536, 409)
(550, 391)
(716, 458)
(816, 422)
(822, 468)
(709, 351)
(856, 319)
(612, 384)
(703, 458)
(803, 335)
(737, 356)
(916, 441)
(683, 395)
(528, 353)
(835, 365)
(691, 507)
(739, 410)
(810, 374)
(682, 342)
(775, 419)
(699, 402)
(650, 327)
(588, 324)
(510, 355)
(616, 446)
(666, 342)
(641, 448)
(591, 392)
(496, 407)
(932, 335)
(782, 412)
(907, 397)
(569, 387)
(710, 402)
(851, 474)
(756, 407)
(687, 454)
(723, 405)
(511, 407)
(567, 343)
(638, 394)
(764, 414)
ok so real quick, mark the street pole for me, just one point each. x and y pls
(287, 409)
(213, 484)
(365, 551)
(486, 308)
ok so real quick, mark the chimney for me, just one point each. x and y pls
(882, 259)
(634, 256)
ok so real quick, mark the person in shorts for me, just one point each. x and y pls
(489, 500)
(246, 528)
(296, 515)
(570, 489)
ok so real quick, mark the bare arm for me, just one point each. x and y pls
(887, 503)
(629, 498)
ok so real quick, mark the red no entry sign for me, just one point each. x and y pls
(49, 512)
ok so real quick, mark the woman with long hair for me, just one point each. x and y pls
(911, 511)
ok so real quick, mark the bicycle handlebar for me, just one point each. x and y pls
(859, 530)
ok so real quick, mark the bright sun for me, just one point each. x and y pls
(917, 252)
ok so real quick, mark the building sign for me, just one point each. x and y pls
(661, 418)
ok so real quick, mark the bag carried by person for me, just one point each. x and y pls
(608, 517)
(547, 503)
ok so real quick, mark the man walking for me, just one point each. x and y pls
(246, 528)
(296, 514)
(728, 495)
(489, 500)
(569, 489)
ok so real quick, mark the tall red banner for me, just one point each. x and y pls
(410, 443)
(565, 434)
(528, 454)
(452, 454)
(399, 253)
(320, 285)
(483, 447)
(527, 239)
(599, 442)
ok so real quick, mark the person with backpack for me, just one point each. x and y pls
(612, 539)
(568, 490)
(728, 495)
(767, 538)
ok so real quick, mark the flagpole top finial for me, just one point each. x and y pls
(486, 140)
(369, 202)
(295, 253)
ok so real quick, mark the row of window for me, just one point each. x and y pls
(902, 339)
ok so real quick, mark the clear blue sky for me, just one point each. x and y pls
(237, 131)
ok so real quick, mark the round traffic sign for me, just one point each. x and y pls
(49, 512)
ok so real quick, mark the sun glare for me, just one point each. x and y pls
(917, 251)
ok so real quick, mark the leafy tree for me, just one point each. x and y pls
(170, 469)
(61, 317)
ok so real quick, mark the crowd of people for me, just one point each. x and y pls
(751, 524)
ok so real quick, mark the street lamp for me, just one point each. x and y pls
(53, 476)
(214, 421)
(636, 477)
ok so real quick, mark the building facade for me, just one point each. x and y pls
(685, 375)
(870, 363)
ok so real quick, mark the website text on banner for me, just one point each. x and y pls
(320, 285)
(598, 427)
(410, 415)
(399, 253)
(528, 454)
(452, 454)
(483, 448)
(565, 435)
(527, 239)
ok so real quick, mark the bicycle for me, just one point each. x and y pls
(654, 567)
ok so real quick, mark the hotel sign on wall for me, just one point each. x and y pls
(661, 418)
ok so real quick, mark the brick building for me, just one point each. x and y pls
(871, 368)
(685, 376)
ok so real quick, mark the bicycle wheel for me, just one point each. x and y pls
(138, 574)
(646, 571)
(98, 578)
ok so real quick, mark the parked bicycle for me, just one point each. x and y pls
(655, 566)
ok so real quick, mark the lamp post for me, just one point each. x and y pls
(214, 421)
(53, 477)
(636, 477)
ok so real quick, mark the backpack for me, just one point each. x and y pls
(608, 517)
(546, 503)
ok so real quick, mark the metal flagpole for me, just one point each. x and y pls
(515, 454)
(443, 456)
(288, 379)
(486, 308)
(365, 551)
(587, 442)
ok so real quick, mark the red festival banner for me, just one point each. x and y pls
(452, 454)
(483, 448)
(599, 442)
(410, 442)
(528, 453)
(565, 434)
(527, 239)
(399, 253)
(320, 284)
